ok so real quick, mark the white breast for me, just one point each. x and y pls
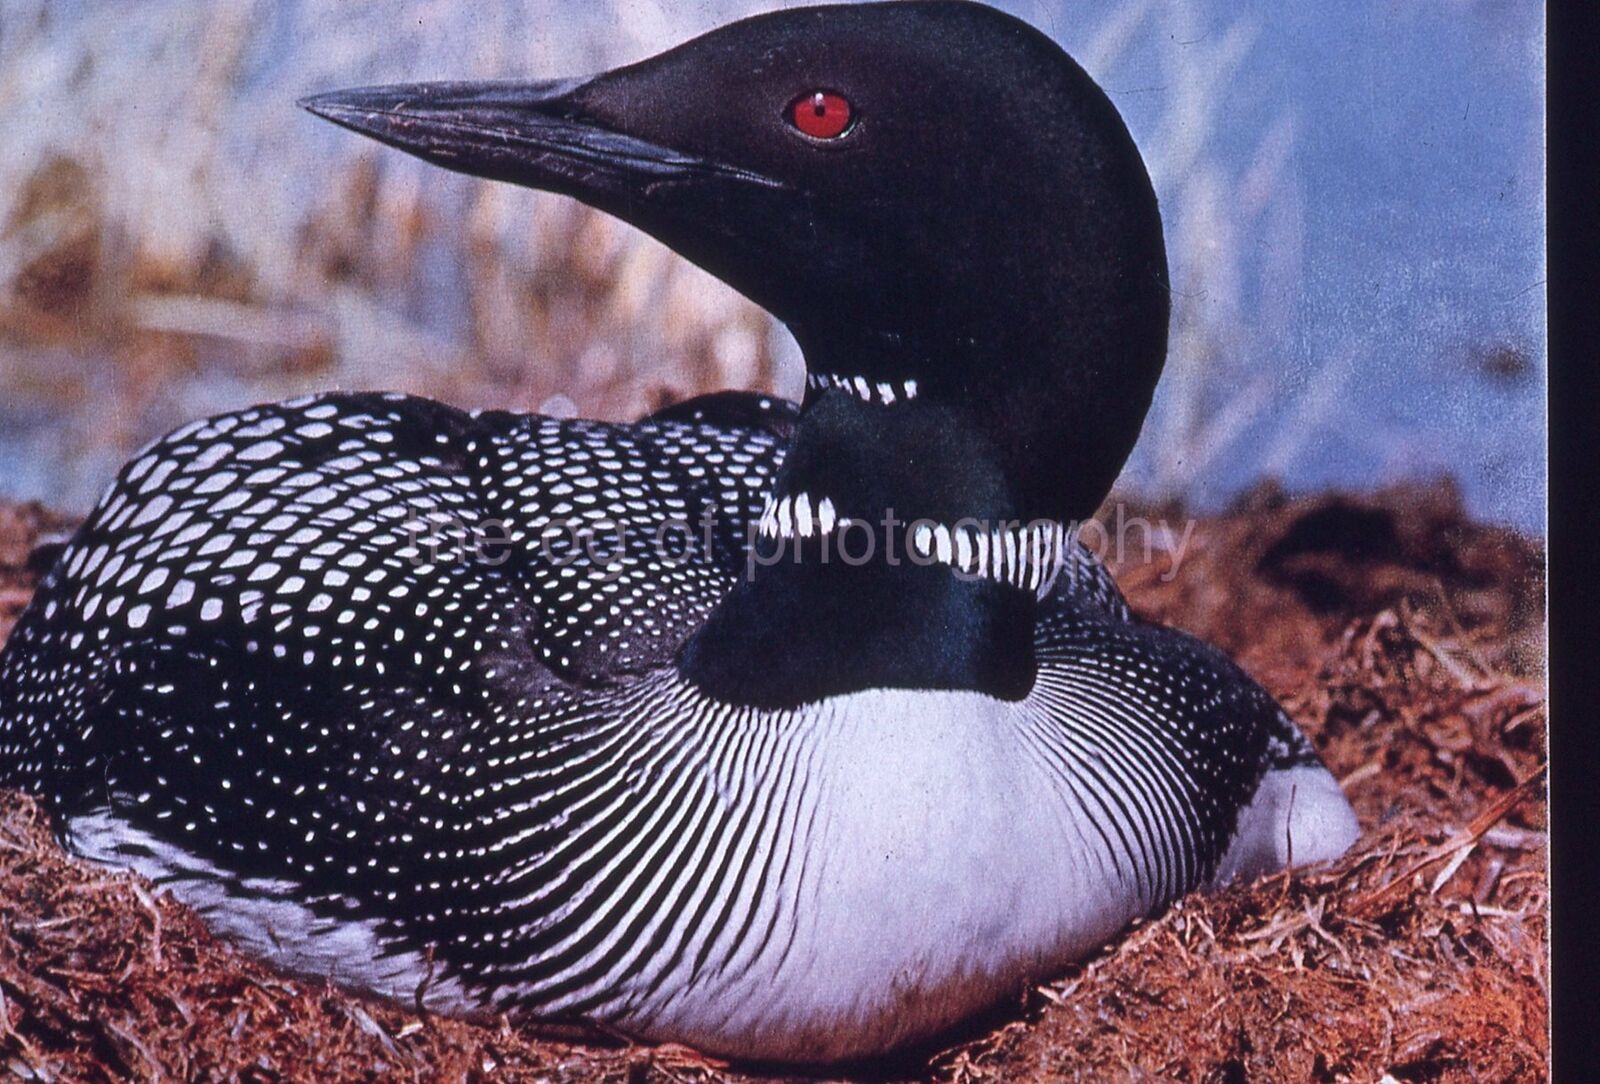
(950, 868)
(920, 856)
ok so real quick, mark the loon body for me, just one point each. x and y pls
(790, 732)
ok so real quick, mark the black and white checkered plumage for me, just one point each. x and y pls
(479, 776)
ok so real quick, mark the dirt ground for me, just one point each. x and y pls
(1406, 640)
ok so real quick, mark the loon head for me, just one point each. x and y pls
(940, 204)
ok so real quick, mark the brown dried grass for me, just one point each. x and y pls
(1406, 640)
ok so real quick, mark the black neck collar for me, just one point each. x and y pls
(891, 555)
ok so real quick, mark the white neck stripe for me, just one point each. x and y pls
(886, 392)
(1028, 556)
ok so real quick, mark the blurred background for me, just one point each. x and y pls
(1352, 191)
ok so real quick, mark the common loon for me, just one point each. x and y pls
(793, 733)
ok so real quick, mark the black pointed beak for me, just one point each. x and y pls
(598, 140)
(535, 134)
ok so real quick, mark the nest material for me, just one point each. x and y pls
(1406, 640)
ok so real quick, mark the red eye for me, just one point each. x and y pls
(821, 115)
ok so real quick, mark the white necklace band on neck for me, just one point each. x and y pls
(1028, 556)
(886, 392)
